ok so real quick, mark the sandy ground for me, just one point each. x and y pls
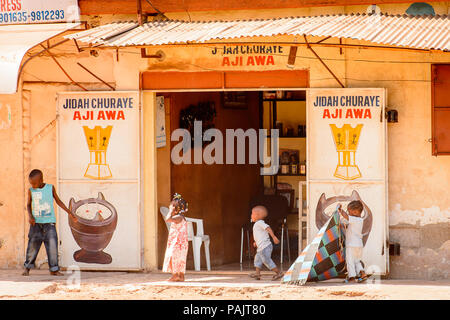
(213, 285)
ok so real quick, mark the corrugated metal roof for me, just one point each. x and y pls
(15, 41)
(424, 32)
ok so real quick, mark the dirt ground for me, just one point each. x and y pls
(224, 285)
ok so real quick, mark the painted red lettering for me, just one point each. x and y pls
(120, 115)
(236, 62)
(225, 61)
(77, 115)
(349, 113)
(358, 113)
(326, 114)
(86, 116)
(337, 114)
(111, 115)
(260, 60)
(101, 115)
(367, 114)
(270, 60)
(250, 61)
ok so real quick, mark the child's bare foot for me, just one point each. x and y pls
(56, 273)
(180, 277)
(26, 272)
(173, 278)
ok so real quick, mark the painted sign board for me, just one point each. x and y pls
(347, 161)
(38, 11)
(99, 178)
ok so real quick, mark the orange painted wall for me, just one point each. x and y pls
(12, 205)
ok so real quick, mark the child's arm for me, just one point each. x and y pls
(175, 219)
(62, 205)
(343, 213)
(30, 215)
(270, 231)
(172, 217)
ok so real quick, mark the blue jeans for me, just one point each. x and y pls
(42, 232)
(264, 257)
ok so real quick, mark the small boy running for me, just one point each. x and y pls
(353, 241)
(261, 232)
(41, 214)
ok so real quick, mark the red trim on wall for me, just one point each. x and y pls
(176, 80)
(440, 109)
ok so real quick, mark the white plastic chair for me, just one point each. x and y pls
(196, 238)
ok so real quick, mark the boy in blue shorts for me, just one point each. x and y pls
(261, 233)
(41, 214)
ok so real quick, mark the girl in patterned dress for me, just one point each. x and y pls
(177, 242)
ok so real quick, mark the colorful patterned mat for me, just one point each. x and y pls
(323, 258)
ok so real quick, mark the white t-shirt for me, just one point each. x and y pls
(261, 235)
(353, 236)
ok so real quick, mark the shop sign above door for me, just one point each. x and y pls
(247, 55)
(38, 11)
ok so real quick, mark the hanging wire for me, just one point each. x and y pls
(156, 9)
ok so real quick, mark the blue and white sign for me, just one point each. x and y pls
(38, 11)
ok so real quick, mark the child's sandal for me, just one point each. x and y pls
(362, 279)
(349, 280)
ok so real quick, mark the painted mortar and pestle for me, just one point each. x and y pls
(94, 228)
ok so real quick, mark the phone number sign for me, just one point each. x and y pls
(38, 11)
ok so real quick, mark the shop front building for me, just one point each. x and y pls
(106, 110)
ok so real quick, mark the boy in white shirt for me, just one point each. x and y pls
(353, 241)
(261, 232)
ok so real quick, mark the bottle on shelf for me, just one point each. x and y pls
(293, 165)
(300, 131)
(303, 168)
(289, 131)
(284, 162)
(279, 126)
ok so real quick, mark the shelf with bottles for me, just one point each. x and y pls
(290, 164)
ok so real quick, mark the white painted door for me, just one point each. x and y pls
(346, 160)
(99, 176)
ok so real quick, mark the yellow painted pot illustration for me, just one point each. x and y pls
(346, 140)
(97, 140)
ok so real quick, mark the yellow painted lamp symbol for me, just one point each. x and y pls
(97, 140)
(346, 140)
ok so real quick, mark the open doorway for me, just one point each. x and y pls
(223, 194)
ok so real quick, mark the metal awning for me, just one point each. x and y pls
(421, 32)
(15, 41)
